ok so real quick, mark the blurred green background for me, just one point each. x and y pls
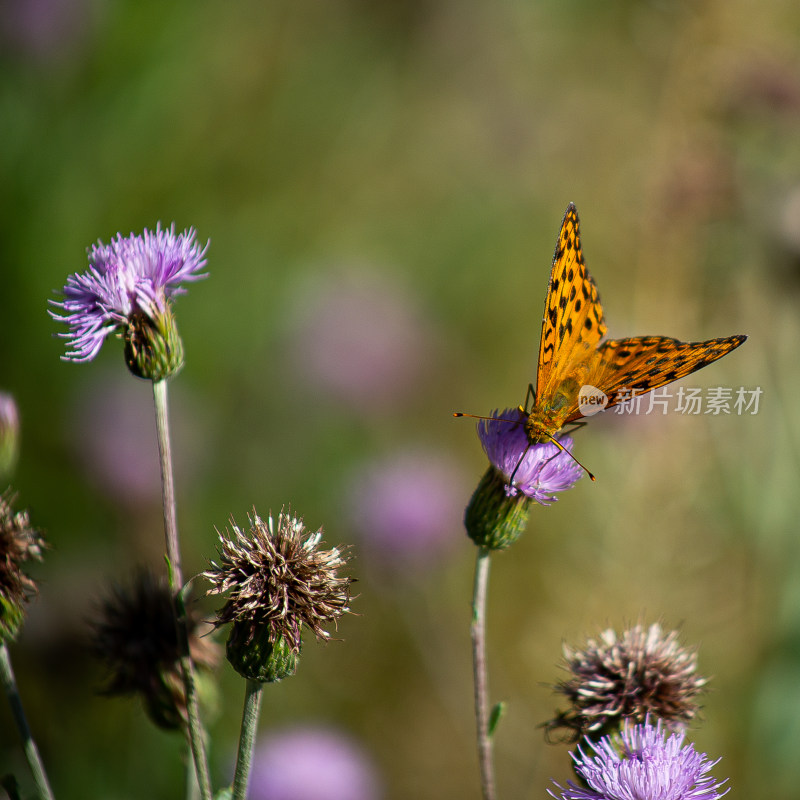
(382, 184)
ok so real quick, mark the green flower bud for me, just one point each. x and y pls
(256, 656)
(153, 348)
(493, 519)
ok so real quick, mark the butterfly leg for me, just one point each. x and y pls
(529, 396)
(564, 450)
(577, 425)
(521, 459)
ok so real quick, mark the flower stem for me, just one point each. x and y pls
(247, 738)
(195, 731)
(29, 745)
(478, 631)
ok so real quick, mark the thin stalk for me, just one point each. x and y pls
(195, 732)
(478, 631)
(247, 738)
(28, 744)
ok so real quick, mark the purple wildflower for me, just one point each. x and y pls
(360, 339)
(407, 507)
(644, 764)
(539, 470)
(312, 763)
(9, 435)
(131, 276)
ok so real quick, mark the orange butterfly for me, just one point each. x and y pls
(572, 357)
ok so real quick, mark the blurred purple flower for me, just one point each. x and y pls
(408, 508)
(9, 435)
(312, 763)
(359, 339)
(539, 470)
(46, 28)
(644, 765)
(134, 275)
(115, 440)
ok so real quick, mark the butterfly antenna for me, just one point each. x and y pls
(564, 450)
(490, 419)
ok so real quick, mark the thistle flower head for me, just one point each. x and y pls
(19, 543)
(135, 637)
(127, 288)
(538, 470)
(519, 473)
(643, 763)
(277, 579)
(615, 678)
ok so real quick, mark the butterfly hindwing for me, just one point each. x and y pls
(622, 368)
(573, 322)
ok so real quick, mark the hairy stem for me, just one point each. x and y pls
(247, 738)
(478, 631)
(29, 745)
(195, 732)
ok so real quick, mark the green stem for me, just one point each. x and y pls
(195, 732)
(478, 631)
(247, 738)
(29, 745)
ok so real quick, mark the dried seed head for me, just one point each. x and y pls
(134, 635)
(277, 579)
(19, 542)
(643, 672)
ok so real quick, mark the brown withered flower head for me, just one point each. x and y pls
(643, 672)
(277, 579)
(135, 637)
(19, 542)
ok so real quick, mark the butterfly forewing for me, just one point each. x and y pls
(573, 317)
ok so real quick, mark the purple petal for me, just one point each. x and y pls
(538, 470)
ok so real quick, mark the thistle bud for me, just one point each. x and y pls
(260, 658)
(493, 519)
(153, 347)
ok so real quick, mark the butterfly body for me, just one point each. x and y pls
(573, 355)
(553, 413)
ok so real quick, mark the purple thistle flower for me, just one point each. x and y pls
(643, 764)
(130, 276)
(539, 470)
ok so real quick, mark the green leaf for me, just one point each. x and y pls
(495, 716)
